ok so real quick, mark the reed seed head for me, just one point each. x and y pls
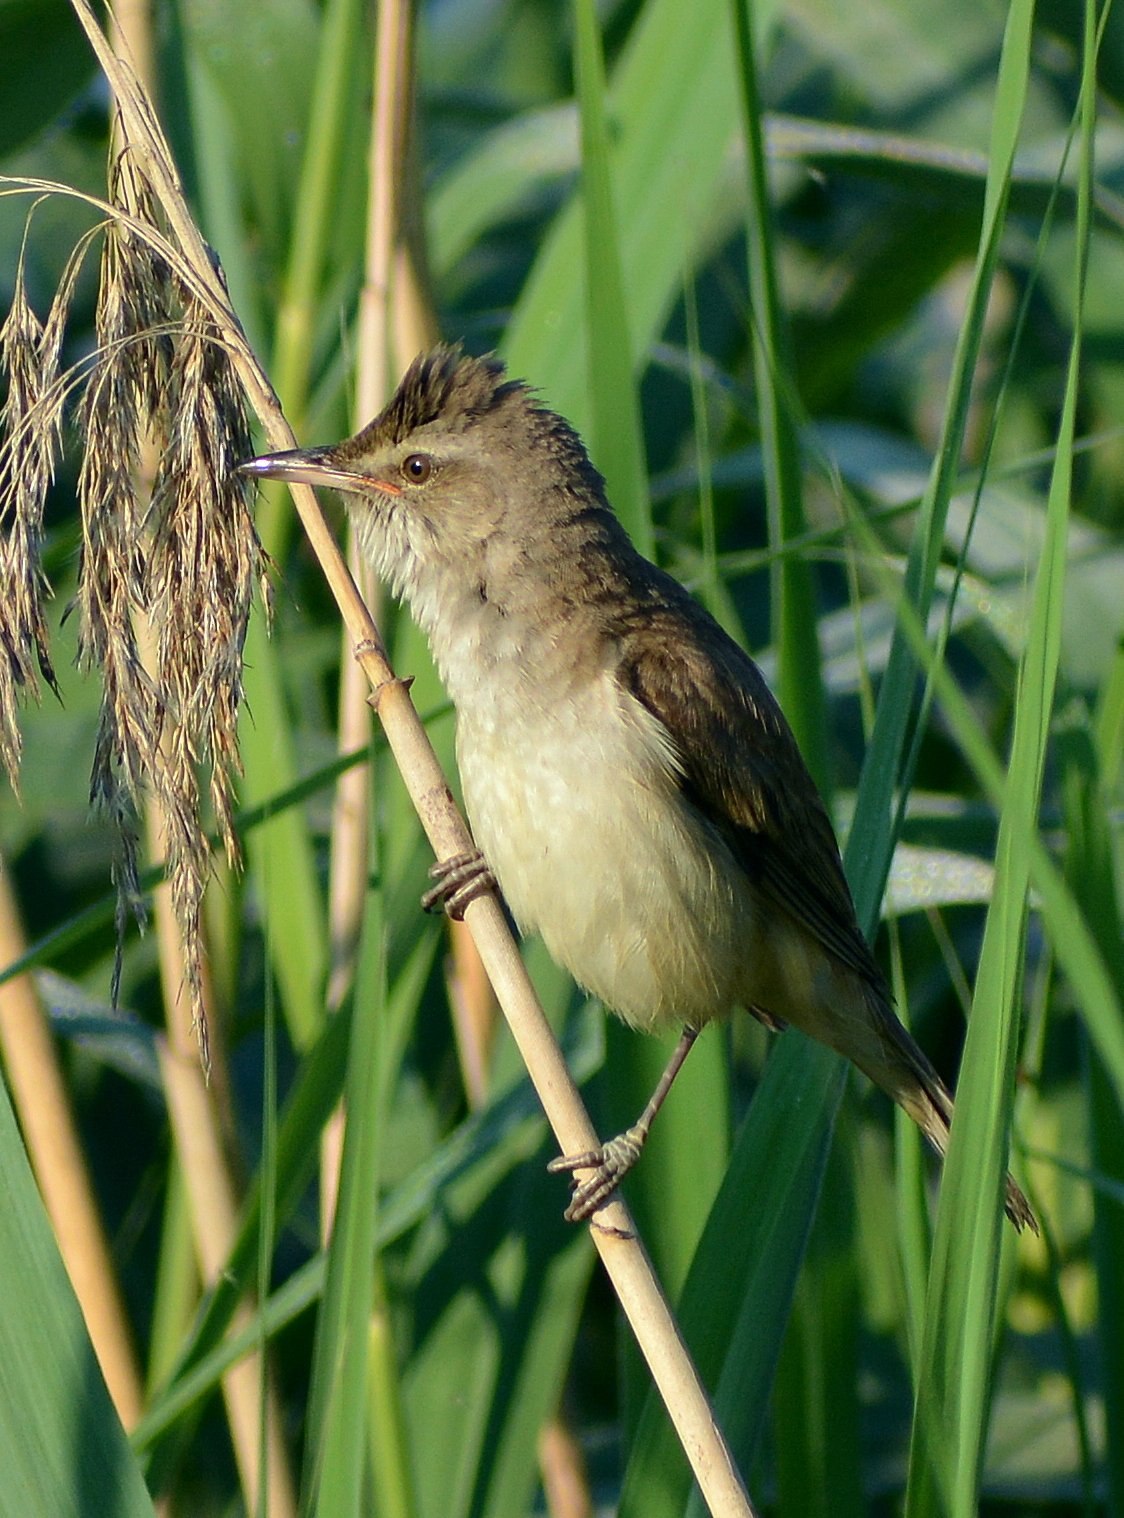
(170, 557)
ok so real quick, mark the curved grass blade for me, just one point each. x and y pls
(953, 1391)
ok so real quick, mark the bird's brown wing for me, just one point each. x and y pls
(741, 767)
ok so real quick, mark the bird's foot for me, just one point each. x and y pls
(609, 1165)
(460, 880)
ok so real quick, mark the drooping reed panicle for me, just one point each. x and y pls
(169, 557)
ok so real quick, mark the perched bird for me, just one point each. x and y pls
(631, 782)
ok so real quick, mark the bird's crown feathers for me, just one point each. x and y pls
(445, 385)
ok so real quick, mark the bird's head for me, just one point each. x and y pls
(462, 470)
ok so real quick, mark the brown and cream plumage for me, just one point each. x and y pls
(630, 779)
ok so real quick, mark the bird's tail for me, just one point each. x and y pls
(910, 1079)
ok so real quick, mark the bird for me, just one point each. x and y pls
(631, 782)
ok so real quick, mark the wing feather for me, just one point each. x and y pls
(741, 767)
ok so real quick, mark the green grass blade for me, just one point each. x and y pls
(674, 83)
(799, 685)
(337, 1416)
(507, 166)
(282, 858)
(953, 1386)
(938, 173)
(735, 1304)
(314, 1095)
(617, 433)
(220, 190)
(63, 1451)
(816, 1397)
(869, 848)
(1093, 774)
(320, 204)
(176, 1285)
(534, 1393)
(509, 1132)
(391, 1469)
(816, 1411)
(487, 1367)
(280, 852)
(1091, 870)
(1071, 940)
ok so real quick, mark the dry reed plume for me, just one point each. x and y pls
(169, 555)
(174, 362)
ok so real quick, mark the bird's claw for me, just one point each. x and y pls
(608, 1166)
(460, 880)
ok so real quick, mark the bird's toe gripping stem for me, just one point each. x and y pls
(609, 1165)
(460, 880)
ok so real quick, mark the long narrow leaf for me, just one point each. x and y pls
(953, 1389)
(674, 83)
(869, 848)
(63, 1451)
(337, 1402)
(617, 432)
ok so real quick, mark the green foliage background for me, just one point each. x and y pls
(834, 293)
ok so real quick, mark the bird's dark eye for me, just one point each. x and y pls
(417, 468)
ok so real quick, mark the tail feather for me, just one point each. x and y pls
(913, 1083)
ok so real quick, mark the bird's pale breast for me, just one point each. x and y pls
(577, 809)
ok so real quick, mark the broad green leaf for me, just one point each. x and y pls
(674, 83)
(62, 1448)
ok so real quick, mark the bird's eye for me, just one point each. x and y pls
(417, 468)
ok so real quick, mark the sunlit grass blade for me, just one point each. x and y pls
(954, 1385)
(1072, 942)
(869, 848)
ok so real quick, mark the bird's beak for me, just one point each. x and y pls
(315, 466)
